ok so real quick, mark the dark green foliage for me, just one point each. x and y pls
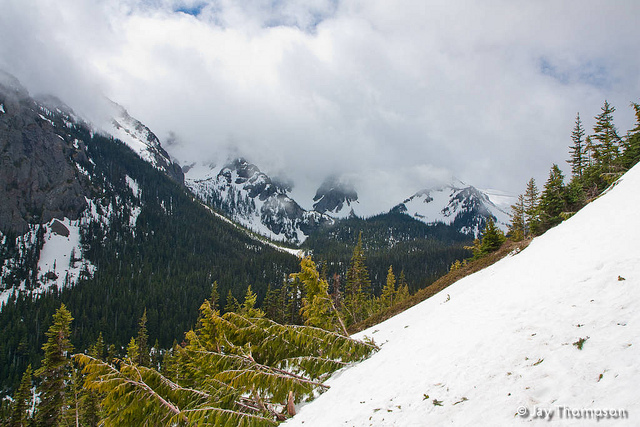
(605, 141)
(167, 264)
(55, 370)
(631, 154)
(22, 402)
(142, 341)
(492, 239)
(578, 151)
(424, 252)
(531, 211)
(595, 164)
(553, 200)
(357, 292)
(518, 225)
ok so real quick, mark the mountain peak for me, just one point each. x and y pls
(335, 197)
(457, 204)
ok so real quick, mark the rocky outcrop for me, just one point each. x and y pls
(39, 179)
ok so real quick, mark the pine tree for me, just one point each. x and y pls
(492, 239)
(531, 208)
(254, 379)
(232, 303)
(22, 401)
(317, 306)
(553, 199)
(358, 289)
(133, 351)
(389, 291)
(631, 154)
(215, 296)
(55, 370)
(607, 145)
(403, 293)
(578, 158)
(518, 221)
(90, 400)
(248, 307)
(142, 341)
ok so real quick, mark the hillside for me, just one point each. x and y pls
(555, 327)
(87, 221)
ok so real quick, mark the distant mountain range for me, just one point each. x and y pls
(241, 191)
(104, 220)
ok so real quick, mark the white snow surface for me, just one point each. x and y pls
(503, 339)
(61, 262)
(439, 204)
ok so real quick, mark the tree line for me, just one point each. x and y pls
(597, 160)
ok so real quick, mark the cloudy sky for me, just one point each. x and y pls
(395, 94)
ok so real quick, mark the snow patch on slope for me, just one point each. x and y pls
(506, 338)
(61, 261)
(457, 202)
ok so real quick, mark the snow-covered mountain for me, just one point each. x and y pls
(336, 197)
(141, 140)
(458, 204)
(250, 197)
(551, 332)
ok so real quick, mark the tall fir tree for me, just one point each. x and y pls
(631, 154)
(518, 220)
(553, 199)
(22, 401)
(215, 296)
(317, 306)
(607, 141)
(55, 370)
(232, 303)
(388, 296)
(358, 287)
(531, 210)
(142, 341)
(578, 159)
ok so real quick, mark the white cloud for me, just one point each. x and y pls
(379, 89)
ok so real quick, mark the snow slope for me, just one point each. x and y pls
(504, 340)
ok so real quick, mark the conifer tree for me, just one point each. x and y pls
(133, 351)
(358, 288)
(215, 296)
(403, 293)
(55, 370)
(553, 200)
(531, 207)
(22, 401)
(232, 303)
(142, 341)
(607, 141)
(518, 221)
(254, 379)
(90, 400)
(631, 154)
(577, 150)
(317, 307)
(248, 307)
(389, 291)
(492, 239)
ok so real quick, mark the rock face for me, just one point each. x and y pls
(143, 141)
(38, 179)
(250, 197)
(335, 198)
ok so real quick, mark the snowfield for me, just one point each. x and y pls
(501, 347)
